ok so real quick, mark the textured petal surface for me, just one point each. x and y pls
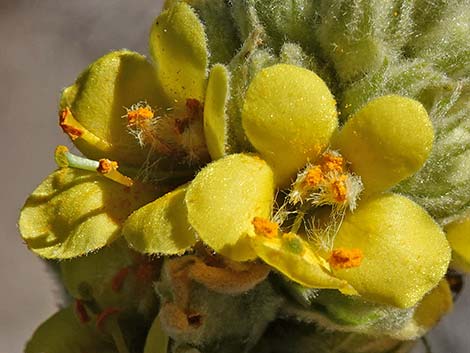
(215, 119)
(289, 116)
(224, 198)
(405, 252)
(178, 47)
(458, 234)
(161, 227)
(387, 141)
(98, 100)
(298, 262)
(74, 212)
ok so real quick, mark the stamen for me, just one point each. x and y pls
(147, 128)
(265, 227)
(314, 177)
(105, 167)
(342, 258)
(109, 169)
(332, 162)
(68, 125)
(339, 189)
(139, 114)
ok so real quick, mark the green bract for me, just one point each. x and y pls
(63, 332)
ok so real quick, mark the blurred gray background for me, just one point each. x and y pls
(44, 45)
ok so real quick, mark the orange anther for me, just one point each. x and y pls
(137, 116)
(106, 166)
(339, 189)
(314, 177)
(345, 258)
(331, 162)
(72, 131)
(265, 227)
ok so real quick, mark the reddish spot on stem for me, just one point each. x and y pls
(102, 316)
(81, 311)
(119, 278)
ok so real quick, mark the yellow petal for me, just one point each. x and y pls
(178, 47)
(429, 311)
(458, 235)
(161, 227)
(387, 141)
(224, 198)
(289, 116)
(294, 259)
(214, 111)
(75, 212)
(93, 107)
(405, 252)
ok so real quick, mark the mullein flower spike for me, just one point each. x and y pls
(300, 167)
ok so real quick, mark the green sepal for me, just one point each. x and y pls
(288, 21)
(157, 341)
(222, 35)
(351, 35)
(195, 316)
(223, 200)
(293, 336)
(64, 333)
(75, 212)
(178, 47)
(98, 100)
(114, 276)
(451, 31)
(161, 227)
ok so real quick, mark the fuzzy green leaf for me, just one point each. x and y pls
(74, 212)
(63, 333)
